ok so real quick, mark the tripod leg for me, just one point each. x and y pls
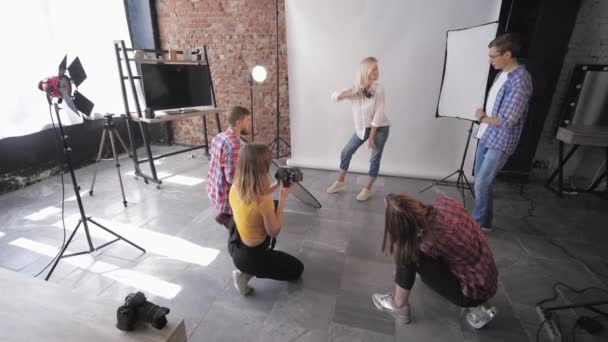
(122, 190)
(206, 137)
(103, 140)
(468, 185)
(118, 236)
(122, 142)
(62, 251)
(439, 181)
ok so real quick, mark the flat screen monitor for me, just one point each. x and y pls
(176, 86)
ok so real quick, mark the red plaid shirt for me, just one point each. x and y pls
(224, 153)
(454, 236)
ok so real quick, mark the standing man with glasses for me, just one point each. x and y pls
(501, 123)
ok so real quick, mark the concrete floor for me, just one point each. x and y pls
(539, 240)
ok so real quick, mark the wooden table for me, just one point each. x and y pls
(35, 310)
(164, 116)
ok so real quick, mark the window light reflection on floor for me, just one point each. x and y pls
(43, 213)
(184, 180)
(141, 281)
(154, 242)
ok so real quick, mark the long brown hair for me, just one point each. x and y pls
(251, 177)
(406, 222)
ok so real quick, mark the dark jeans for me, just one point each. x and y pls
(263, 261)
(436, 274)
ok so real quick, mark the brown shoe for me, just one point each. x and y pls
(223, 219)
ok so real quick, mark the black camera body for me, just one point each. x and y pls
(366, 92)
(137, 308)
(287, 175)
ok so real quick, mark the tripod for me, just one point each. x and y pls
(84, 220)
(110, 131)
(462, 180)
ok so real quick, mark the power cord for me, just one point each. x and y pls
(57, 142)
(581, 320)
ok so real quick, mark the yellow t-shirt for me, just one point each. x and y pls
(248, 217)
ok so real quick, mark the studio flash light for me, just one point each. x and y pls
(60, 87)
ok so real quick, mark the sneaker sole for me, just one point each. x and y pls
(492, 312)
(400, 318)
(247, 292)
(335, 191)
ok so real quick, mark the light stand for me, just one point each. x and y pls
(60, 87)
(84, 220)
(257, 74)
(462, 180)
(275, 144)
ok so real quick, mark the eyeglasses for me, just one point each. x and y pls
(495, 56)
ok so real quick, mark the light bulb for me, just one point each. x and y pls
(259, 73)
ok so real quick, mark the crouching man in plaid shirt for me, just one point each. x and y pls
(444, 245)
(501, 123)
(224, 152)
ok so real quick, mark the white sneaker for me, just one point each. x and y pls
(241, 281)
(386, 303)
(336, 187)
(479, 316)
(487, 229)
(364, 195)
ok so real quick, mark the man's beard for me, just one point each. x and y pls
(244, 131)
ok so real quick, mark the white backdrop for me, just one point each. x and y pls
(326, 40)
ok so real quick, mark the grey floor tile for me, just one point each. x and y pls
(304, 308)
(343, 333)
(227, 323)
(369, 275)
(354, 308)
(322, 269)
(332, 234)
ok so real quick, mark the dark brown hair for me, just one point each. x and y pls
(406, 221)
(236, 113)
(507, 42)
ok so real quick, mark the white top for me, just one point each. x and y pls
(367, 112)
(500, 81)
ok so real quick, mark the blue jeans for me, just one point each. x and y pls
(488, 161)
(354, 143)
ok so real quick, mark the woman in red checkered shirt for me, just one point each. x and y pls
(444, 245)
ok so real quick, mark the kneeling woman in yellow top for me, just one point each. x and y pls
(256, 222)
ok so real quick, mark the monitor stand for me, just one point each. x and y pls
(180, 111)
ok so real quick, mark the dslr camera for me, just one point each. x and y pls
(287, 175)
(137, 308)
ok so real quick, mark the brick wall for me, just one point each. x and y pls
(239, 34)
(588, 44)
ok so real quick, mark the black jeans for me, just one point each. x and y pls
(436, 274)
(263, 261)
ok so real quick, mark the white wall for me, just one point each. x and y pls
(37, 34)
(326, 41)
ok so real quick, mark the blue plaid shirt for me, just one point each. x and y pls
(511, 107)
